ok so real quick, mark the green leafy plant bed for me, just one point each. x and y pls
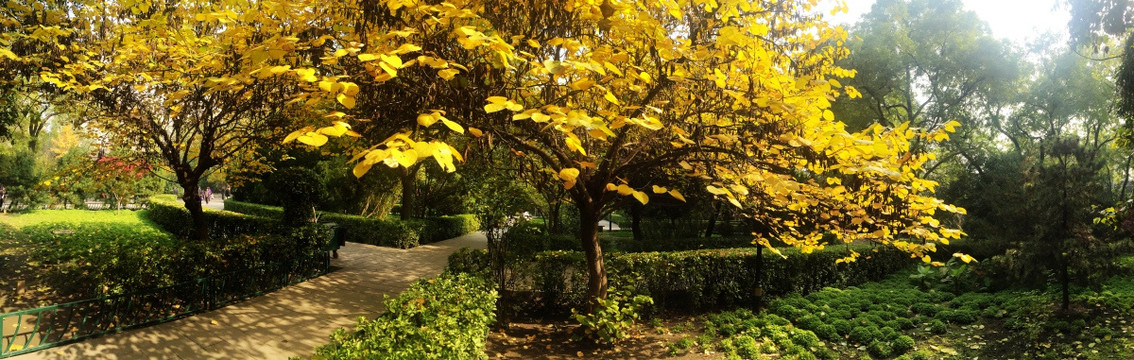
(447, 317)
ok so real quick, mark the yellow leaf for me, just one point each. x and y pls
(347, 101)
(828, 115)
(350, 89)
(276, 70)
(964, 257)
(475, 132)
(611, 187)
(295, 134)
(716, 190)
(610, 97)
(361, 168)
(676, 195)
(453, 126)
(494, 107)
(625, 190)
(406, 158)
(340, 53)
(307, 75)
(574, 144)
(569, 174)
(312, 138)
(659, 189)
(391, 70)
(448, 74)
(533, 43)
(642, 197)
(367, 57)
(426, 120)
(926, 259)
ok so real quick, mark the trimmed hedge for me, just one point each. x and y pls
(170, 214)
(447, 227)
(391, 233)
(91, 259)
(364, 230)
(441, 318)
(267, 211)
(689, 281)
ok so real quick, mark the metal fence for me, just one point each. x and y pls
(37, 329)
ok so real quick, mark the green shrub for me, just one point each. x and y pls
(827, 331)
(862, 334)
(615, 314)
(300, 190)
(268, 211)
(902, 344)
(447, 317)
(960, 316)
(112, 256)
(472, 261)
(698, 280)
(880, 349)
(938, 327)
(170, 214)
(381, 232)
(390, 233)
(681, 346)
(448, 227)
(746, 347)
(926, 309)
(843, 327)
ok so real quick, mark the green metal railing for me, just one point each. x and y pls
(31, 330)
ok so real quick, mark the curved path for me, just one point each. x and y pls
(289, 322)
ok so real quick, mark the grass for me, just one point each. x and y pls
(19, 221)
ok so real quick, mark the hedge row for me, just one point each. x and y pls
(391, 233)
(686, 281)
(441, 318)
(99, 259)
(170, 214)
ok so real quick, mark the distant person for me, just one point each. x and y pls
(3, 196)
(208, 194)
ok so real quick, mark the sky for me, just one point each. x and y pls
(1015, 20)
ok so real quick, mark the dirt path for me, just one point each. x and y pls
(288, 322)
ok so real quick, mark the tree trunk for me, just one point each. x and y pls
(636, 221)
(759, 291)
(1065, 279)
(712, 220)
(193, 204)
(589, 214)
(408, 177)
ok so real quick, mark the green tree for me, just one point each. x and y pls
(928, 62)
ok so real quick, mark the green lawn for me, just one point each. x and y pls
(19, 221)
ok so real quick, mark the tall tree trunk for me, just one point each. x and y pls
(1065, 279)
(193, 204)
(636, 221)
(713, 220)
(408, 176)
(589, 215)
(759, 290)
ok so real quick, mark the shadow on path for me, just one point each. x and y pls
(289, 322)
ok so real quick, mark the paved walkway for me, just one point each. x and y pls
(288, 322)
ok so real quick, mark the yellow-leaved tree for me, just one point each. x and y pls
(189, 85)
(734, 92)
